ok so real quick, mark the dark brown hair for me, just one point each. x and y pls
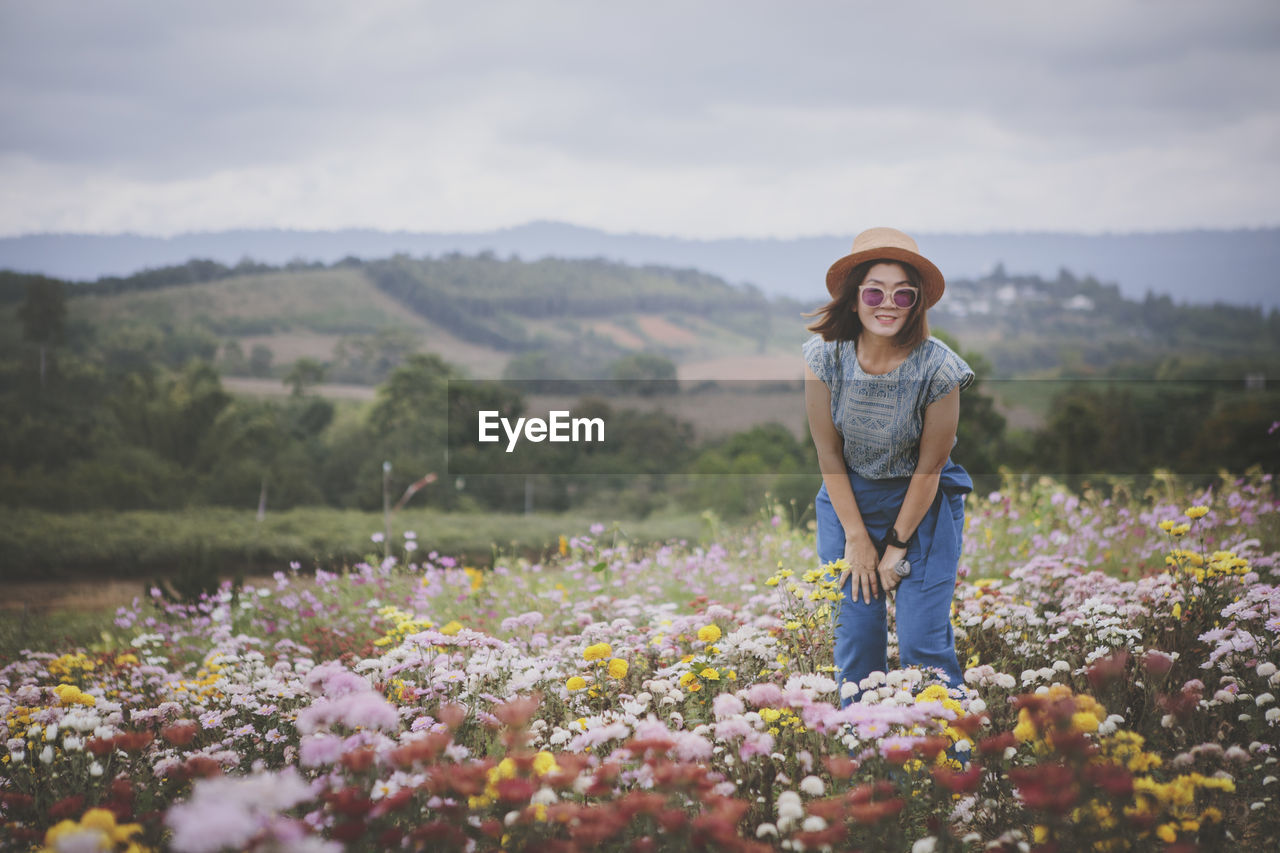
(839, 317)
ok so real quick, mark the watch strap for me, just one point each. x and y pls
(891, 538)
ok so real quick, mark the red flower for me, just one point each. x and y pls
(1111, 777)
(66, 807)
(962, 782)
(1108, 670)
(514, 791)
(358, 760)
(997, 744)
(517, 712)
(351, 802)
(928, 748)
(133, 741)
(179, 734)
(1157, 663)
(969, 724)
(201, 766)
(347, 831)
(452, 715)
(1047, 787)
(840, 766)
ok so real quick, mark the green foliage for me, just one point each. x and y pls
(44, 312)
(645, 373)
(304, 373)
(43, 545)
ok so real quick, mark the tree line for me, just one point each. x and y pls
(93, 423)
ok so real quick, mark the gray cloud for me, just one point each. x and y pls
(161, 103)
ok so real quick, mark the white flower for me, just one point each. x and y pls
(813, 786)
(1264, 699)
(1272, 715)
(95, 769)
(977, 706)
(1266, 669)
(766, 829)
(925, 845)
(813, 823)
(46, 755)
(789, 806)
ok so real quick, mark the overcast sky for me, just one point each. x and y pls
(693, 119)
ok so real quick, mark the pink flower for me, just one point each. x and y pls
(320, 749)
(354, 710)
(727, 705)
(692, 747)
(333, 679)
(764, 694)
(732, 728)
(228, 812)
(755, 743)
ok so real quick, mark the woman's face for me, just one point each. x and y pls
(886, 319)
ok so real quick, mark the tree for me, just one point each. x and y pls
(260, 358)
(44, 316)
(646, 373)
(305, 372)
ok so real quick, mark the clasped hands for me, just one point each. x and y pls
(870, 572)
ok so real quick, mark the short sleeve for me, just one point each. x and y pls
(951, 372)
(820, 358)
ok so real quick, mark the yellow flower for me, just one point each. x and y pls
(1084, 721)
(577, 682)
(452, 628)
(1197, 511)
(1177, 610)
(564, 546)
(1168, 833)
(792, 626)
(685, 678)
(95, 821)
(618, 668)
(709, 633)
(599, 651)
(710, 674)
(932, 693)
(544, 763)
(1166, 525)
(1180, 530)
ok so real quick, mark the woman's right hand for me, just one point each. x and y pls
(860, 554)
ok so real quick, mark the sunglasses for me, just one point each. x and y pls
(903, 297)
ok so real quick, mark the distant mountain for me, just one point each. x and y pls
(1240, 267)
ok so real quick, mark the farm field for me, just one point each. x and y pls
(1120, 661)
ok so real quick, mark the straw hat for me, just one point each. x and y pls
(887, 244)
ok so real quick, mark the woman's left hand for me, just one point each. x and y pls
(888, 577)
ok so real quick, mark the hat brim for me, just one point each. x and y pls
(932, 281)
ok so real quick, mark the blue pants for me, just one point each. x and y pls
(922, 599)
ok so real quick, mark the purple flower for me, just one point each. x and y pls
(228, 812)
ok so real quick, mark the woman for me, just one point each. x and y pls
(883, 400)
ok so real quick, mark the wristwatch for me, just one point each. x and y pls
(891, 538)
(902, 568)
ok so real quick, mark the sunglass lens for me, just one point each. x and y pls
(872, 296)
(904, 298)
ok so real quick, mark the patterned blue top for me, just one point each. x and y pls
(881, 417)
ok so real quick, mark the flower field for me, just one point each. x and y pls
(1120, 659)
